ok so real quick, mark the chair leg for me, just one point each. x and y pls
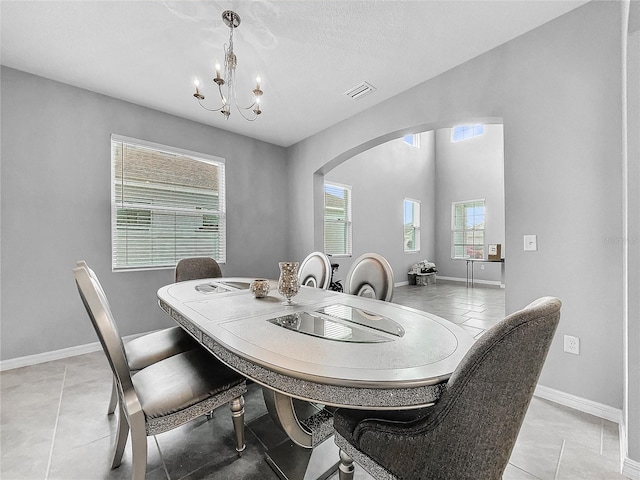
(138, 445)
(346, 469)
(237, 415)
(122, 433)
(114, 398)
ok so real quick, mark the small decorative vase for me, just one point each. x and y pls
(260, 288)
(288, 284)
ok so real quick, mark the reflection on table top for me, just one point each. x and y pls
(327, 339)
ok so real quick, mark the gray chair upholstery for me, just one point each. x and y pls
(147, 349)
(370, 276)
(315, 271)
(194, 268)
(471, 430)
(164, 395)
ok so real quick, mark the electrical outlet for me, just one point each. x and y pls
(572, 344)
(530, 243)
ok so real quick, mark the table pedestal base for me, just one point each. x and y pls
(291, 462)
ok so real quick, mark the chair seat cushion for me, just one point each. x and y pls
(346, 421)
(182, 381)
(153, 347)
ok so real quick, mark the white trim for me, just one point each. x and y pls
(401, 284)
(199, 156)
(578, 403)
(48, 356)
(631, 468)
(29, 360)
(453, 279)
(475, 280)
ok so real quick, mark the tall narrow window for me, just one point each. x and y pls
(337, 219)
(411, 225)
(166, 204)
(467, 229)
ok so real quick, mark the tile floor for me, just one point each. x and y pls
(54, 426)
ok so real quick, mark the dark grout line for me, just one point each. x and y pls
(55, 428)
(164, 465)
(555, 477)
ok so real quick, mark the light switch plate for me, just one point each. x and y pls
(530, 243)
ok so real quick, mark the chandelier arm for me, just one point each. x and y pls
(222, 97)
(240, 107)
(210, 109)
(245, 117)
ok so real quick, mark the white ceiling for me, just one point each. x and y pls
(308, 53)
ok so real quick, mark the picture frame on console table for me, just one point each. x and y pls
(494, 252)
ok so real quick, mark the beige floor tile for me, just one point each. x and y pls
(578, 462)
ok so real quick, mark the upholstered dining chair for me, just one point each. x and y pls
(194, 268)
(315, 271)
(370, 276)
(164, 395)
(472, 429)
(147, 349)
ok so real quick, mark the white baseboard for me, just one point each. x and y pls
(578, 403)
(452, 279)
(55, 354)
(456, 279)
(475, 280)
(631, 469)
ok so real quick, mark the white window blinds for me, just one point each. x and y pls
(167, 204)
(337, 219)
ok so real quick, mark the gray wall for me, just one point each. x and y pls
(470, 170)
(558, 92)
(381, 178)
(631, 239)
(56, 209)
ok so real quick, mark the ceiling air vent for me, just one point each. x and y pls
(360, 90)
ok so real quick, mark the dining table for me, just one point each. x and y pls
(326, 350)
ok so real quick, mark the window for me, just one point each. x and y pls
(166, 204)
(337, 219)
(467, 229)
(465, 132)
(412, 139)
(411, 225)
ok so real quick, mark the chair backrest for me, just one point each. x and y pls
(194, 268)
(92, 274)
(370, 276)
(99, 312)
(472, 429)
(315, 271)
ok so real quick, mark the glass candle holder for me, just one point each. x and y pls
(260, 288)
(288, 284)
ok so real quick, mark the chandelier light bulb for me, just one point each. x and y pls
(198, 95)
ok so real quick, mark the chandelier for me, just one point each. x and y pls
(225, 82)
